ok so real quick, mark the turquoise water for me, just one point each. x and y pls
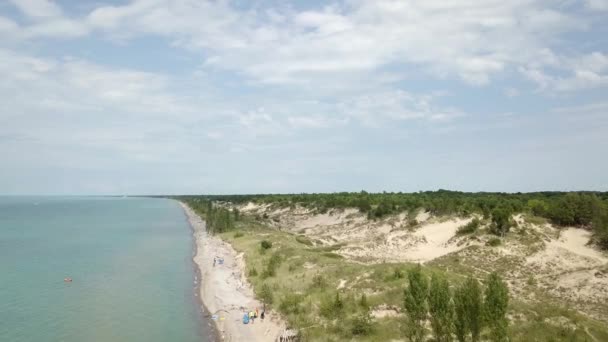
(130, 260)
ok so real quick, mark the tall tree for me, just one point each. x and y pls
(460, 309)
(473, 308)
(441, 308)
(495, 307)
(415, 303)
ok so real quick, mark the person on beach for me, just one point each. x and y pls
(256, 313)
(262, 316)
(214, 260)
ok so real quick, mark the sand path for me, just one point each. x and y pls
(225, 291)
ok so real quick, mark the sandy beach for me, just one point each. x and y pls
(224, 289)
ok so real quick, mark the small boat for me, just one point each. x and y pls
(67, 280)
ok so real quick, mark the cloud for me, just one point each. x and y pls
(583, 72)
(38, 9)
(472, 42)
(598, 5)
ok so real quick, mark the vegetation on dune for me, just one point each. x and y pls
(584, 209)
(329, 298)
(415, 304)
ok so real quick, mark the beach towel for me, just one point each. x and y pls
(246, 319)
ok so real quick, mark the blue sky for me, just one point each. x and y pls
(197, 96)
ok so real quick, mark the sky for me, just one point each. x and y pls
(252, 96)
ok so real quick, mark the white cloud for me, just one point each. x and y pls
(472, 42)
(598, 5)
(38, 9)
(583, 72)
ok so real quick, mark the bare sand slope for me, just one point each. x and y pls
(225, 291)
(368, 240)
(571, 268)
(428, 242)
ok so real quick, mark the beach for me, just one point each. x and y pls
(224, 290)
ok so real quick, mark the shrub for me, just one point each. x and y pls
(266, 294)
(415, 304)
(495, 307)
(441, 309)
(469, 228)
(304, 240)
(531, 281)
(253, 272)
(332, 255)
(318, 281)
(397, 274)
(238, 235)
(291, 303)
(501, 221)
(493, 242)
(332, 307)
(361, 324)
(363, 302)
(265, 244)
(271, 266)
(468, 308)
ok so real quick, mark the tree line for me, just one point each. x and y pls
(218, 219)
(582, 209)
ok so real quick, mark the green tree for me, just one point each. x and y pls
(415, 303)
(495, 307)
(266, 294)
(501, 221)
(574, 209)
(538, 207)
(473, 306)
(600, 225)
(460, 309)
(441, 308)
(361, 324)
(363, 302)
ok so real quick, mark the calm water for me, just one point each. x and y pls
(130, 260)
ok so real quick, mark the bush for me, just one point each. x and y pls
(332, 307)
(501, 221)
(361, 324)
(290, 303)
(493, 242)
(469, 228)
(440, 308)
(363, 302)
(253, 272)
(397, 274)
(238, 235)
(332, 255)
(318, 281)
(266, 294)
(495, 307)
(415, 303)
(265, 244)
(304, 240)
(271, 267)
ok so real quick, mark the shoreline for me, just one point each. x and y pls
(202, 309)
(224, 291)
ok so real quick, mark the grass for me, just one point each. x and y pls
(301, 282)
